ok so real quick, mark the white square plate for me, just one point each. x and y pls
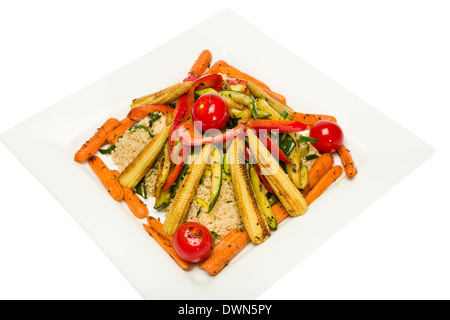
(383, 151)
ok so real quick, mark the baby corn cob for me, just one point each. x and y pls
(165, 96)
(284, 188)
(137, 169)
(254, 221)
(185, 194)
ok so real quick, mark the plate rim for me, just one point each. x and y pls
(8, 140)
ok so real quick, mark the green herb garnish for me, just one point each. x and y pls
(138, 126)
(307, 139)
(311, 157)
(284, 114)
(214, 235)
(107, 151)
(141, 189)
(153, 117)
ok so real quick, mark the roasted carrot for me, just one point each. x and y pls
(235, 239)
(96, 141)
(168, 247)
(107, 177)
(136, 205)
(202, 63)
(311, 119)
(225, 241)
(215, 68)
(279, 212)
(322, 165)
(120, 130)
(327, 180)
(347, 161)
(232, 72)
(214, 264)
(157, 225)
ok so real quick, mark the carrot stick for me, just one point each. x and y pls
(134, 203)
(347, 161)
(120, 130)
(331, 176)
(322, 165)
(215, 68)
(96, 141)
(107, 177)
(168, 247)
(232, 72)
(235, 239)
(279, 212)
(311, 119)
(156, 225)
(226, 240)
(202, 63)
(214, 264)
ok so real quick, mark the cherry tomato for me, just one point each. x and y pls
(330, 136)
(210, 112)
(193, 242)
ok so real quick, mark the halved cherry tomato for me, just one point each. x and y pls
(330, 136)
(210, 112)
(193, 242)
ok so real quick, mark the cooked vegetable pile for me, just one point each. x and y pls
(232, 125)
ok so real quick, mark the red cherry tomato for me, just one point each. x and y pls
(330, 136)
(193, 242)
(210, 112)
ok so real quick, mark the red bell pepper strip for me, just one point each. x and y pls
(211, 80)
(273, 148)
(280, 125)
(176, 169)
(181, 114)
(139, 113)
(249, 156)
(235, 81)
(187, 139)
(192, 77)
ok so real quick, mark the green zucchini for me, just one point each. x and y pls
(216, 176)
(254, 110)
(262, 105)
(304, 149)
(244, 114)
(262, 114)
(304, 178)
(180, 176)
(205, 91)
(163, 172)
(261, 198)
(163, 199)
(272, 198)
(226, 164)
(287, 144)
(238, 97)
(293, 168)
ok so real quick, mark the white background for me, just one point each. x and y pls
(392, 54)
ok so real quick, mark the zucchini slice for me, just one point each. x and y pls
(205, 91)
(238, 97)
(261, 198)
(304, 177)
(216, 176)
(163, 199)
